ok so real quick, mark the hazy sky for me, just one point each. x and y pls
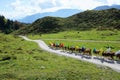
(20, 8)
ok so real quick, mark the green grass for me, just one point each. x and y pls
(70, 37)
(28, 62)
(82, 35)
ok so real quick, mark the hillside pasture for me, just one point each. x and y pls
(90, 39)
(23, 60)
(105, 35)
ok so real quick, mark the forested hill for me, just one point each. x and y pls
(44, 25)
(103, 19)
(7, 26)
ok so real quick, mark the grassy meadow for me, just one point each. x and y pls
(23, 60)
(89, 39)
(109, 35)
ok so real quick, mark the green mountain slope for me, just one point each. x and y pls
(93, 19)
(103, 19)
(44, 25)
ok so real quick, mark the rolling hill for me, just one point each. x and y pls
(87, 20)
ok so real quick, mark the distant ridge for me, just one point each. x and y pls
(107, 7)
(63, 13)
(60, 13)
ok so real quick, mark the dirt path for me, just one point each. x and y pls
(115, 65)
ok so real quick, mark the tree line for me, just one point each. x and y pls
(8, 26)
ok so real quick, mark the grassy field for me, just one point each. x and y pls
(82, 35)
(93, 35)
(22, 60)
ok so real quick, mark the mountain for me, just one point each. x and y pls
(107, 7)
(44, 25)
(87, 20)
(60, 13)
(104, 19)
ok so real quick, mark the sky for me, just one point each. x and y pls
(16, 9)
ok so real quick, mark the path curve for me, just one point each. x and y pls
(115, 65)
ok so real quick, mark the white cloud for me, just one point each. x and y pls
(22, 8)
(111, 2)
(80, 4)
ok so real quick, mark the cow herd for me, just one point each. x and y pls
(86, 51)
